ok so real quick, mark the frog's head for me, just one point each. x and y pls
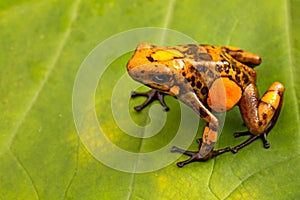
(157, 67)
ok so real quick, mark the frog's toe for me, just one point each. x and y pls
(199, 141)
(239, 134)
(194, 156)
(139, 108)
(178, 150)
(151, 96)
(265, 141)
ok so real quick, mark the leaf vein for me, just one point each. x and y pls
(167, 20)
(27, 174)
(258, 171)
(44, 81)
(209, 180)
(75, 171)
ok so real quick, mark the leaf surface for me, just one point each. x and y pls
(43, 44)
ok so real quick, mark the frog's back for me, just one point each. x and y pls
(206, 63)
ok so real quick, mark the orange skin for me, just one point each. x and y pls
(208, 78)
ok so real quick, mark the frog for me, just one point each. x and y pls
(209, 79)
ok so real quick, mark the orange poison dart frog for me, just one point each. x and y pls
(208, 79)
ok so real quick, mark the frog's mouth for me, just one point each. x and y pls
(161, 88)
(174, 90)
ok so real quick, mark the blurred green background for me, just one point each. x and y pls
(43, 44)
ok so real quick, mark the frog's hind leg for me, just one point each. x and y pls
(151, 96)
(259, 115)
(245, 57)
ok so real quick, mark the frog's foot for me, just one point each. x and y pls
(151, 96)
(199, 141)
(250, 140)
(196, 156)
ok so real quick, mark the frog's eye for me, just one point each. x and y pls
(161, 78)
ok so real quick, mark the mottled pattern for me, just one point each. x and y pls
(207, 78)
(205, 63)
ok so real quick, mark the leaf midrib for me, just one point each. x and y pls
(51, 67)
(290, 55)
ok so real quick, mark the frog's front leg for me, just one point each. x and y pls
(151, 96)
(259, 115)
(210, 134)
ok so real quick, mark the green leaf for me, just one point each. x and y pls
(44, 43)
